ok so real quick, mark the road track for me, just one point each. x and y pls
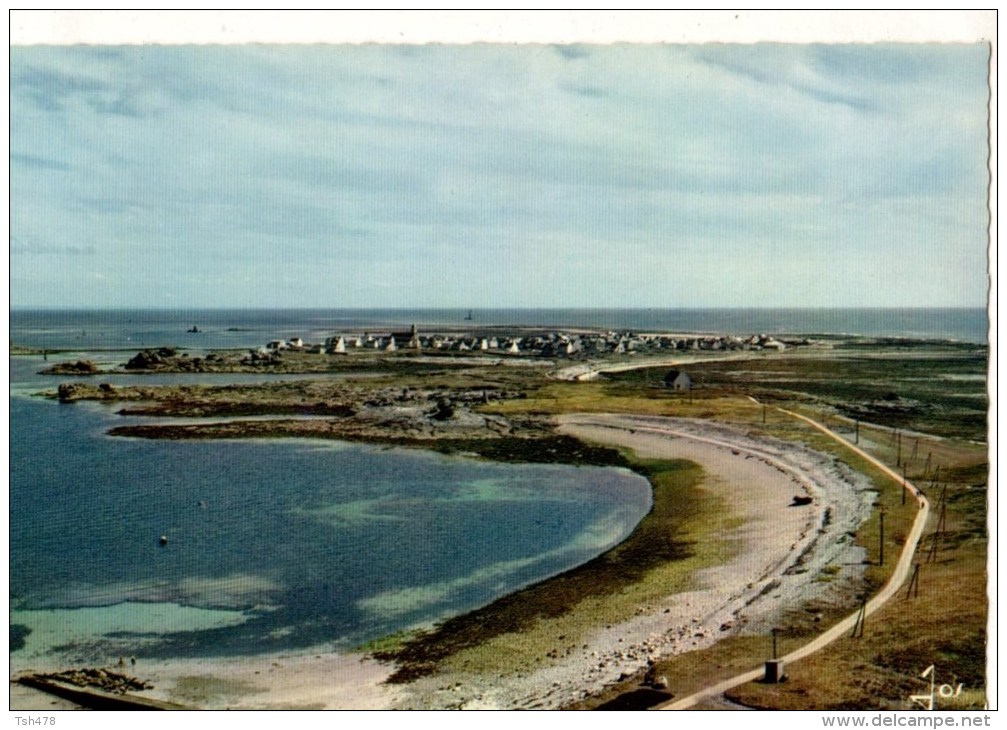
(846, 625)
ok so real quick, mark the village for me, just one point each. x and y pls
(520, 345)
(550, 344)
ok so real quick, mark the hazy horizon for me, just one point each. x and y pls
(216, 327)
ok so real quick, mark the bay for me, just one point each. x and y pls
(284, 544)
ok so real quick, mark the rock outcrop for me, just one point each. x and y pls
(152, 359)
(103, 679)
(81, 367)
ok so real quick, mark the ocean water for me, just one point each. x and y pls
(273, 545)
(107, 329)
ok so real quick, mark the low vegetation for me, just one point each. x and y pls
(941, 621)
(939, 390)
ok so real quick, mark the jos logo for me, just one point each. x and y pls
(929, 701)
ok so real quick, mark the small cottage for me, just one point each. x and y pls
(677, 380)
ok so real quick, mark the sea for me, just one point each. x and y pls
(223, 328)
(291, 544)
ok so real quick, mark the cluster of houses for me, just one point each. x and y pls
(625, 343)
(549, 344)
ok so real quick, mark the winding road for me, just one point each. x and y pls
(846, 625)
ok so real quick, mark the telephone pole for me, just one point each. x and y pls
(881, 548)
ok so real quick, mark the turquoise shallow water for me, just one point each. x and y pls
(275, 545)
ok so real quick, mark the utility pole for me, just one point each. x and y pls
(941, 528)
(903, 484)
(881, 548)
(775, 670)
(932, 554)
(858, 626)
(914, 583)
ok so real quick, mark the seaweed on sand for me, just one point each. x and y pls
(654, 542)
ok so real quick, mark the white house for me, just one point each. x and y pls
(677, 380)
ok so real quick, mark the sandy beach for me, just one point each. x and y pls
(780, 550)
(324, 681)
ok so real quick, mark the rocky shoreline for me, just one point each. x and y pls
(311, 409)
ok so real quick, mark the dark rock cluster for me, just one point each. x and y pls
(151, 359)
(259, 358)
(81, 367)
(102, 679)
(66, 392)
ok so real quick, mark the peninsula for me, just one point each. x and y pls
(760, 523)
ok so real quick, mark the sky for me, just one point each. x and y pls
(499, 175)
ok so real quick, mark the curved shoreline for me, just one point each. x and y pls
(727, 600)
(738, 595)
(890, 588)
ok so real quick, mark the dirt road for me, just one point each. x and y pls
(846, 625)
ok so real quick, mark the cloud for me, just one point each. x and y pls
(54, 90)
(36, 161)
(787, 68)
(591, 92)
(572, 52)
(507, 165)
(20, 248)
